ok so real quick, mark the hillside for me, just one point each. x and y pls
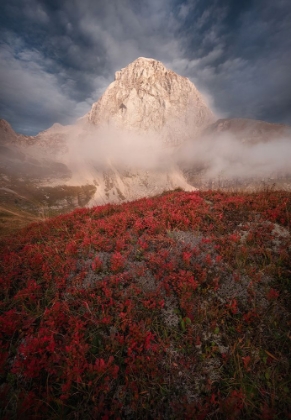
(171, 307)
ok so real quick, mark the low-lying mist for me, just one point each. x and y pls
(124, 150)
(228, 156)
(221, 154)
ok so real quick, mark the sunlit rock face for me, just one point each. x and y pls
(147, 96)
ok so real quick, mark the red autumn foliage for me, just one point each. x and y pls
(117, 311)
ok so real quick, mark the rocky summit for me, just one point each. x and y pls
(145, 95)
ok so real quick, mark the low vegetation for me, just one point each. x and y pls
(172, 307)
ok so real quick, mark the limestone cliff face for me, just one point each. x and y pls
(147, 96)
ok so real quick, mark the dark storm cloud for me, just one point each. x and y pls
(57, 57)
(242, 58)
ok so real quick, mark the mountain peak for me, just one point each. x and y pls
(140, 68)
(146, 95)
(141, 60)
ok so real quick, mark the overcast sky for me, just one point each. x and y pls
(58, 56)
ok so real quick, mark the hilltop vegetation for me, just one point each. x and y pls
(172, 307)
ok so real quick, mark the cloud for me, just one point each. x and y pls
(224, 155)
(221, 155)
(184, 10)
(250, 75)
(34, 97)
(108, 145)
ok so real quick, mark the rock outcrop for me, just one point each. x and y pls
(147, 96)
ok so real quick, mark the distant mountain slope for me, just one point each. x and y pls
(30, 156)
(239, 153)
(248, 130)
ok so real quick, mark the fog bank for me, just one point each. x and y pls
(219, 154)
(230, 157)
